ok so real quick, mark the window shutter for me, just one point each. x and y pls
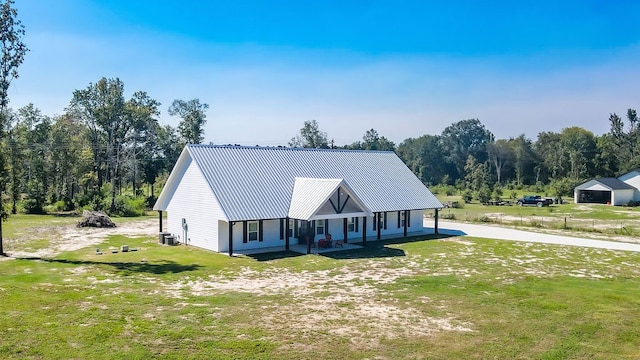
(375, 220)
(357, 229)
(244, 231)
(260, 233)
(398, 219)
(282, 229)
(326, 226)
(408, 218)
(385, 221)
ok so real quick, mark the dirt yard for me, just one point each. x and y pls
(69, 237)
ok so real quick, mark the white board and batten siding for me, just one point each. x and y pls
(622, 196)
(632, 178)
(194, 202)
(270, 233)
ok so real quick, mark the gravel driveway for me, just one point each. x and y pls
(501, 233)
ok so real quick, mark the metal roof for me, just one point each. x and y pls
(257, 182)
(614, 183)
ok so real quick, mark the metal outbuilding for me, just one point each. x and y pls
(612, 191)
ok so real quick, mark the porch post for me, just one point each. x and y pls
(286, 237)
(308, 237)
(344, 229)
(377, 219)
(160, 219)
(364, 230)
(405, 223)
(230, 238)
(435, 227)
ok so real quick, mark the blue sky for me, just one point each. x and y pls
(404, 68)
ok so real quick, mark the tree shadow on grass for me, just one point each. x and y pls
(128, 268)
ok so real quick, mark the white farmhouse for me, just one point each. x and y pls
(226, 198)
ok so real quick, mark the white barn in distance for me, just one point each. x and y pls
(226, 198)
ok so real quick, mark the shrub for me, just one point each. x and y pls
(467, 196)
(129, 206)
(484, 195)
(448, 216)
(632, 203)
(151, 200)
(497, 194)
(535, 223)
(457, 205)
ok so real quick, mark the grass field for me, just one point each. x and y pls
(420, 298)
(586, 219)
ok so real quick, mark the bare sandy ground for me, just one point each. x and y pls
(70, 237)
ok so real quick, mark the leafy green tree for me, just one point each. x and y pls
(310, 136)
(478, 175)
(13, 51)
(581, 150)
(159, 155)
(373, 141)
(37, 160)
(194, 117)
(143, 112)
(465, 138)
(70, 161)
(419, 155)
(501, 155)
(607, 161)
(17, 147)
(524, 160)
(626, 143)
(550, 148)
(111, 121)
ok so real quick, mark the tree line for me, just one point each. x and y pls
(99, 154)
(467, 157)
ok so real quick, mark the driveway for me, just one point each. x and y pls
(501, 233)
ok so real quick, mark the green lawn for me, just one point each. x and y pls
(421, 298)
(579, 218)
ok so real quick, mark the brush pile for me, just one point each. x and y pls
(95, 219)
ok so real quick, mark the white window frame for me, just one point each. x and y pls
(351, 224)
(403, 218)
(320, 225)
(253, 232)
(291, 227)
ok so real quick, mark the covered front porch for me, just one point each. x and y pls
(303, 249)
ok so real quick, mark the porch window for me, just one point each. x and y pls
(402, 218)
(319, 227)
(252, 230)
(351, 224)
(291, 227)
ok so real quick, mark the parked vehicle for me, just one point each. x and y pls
(534, 200)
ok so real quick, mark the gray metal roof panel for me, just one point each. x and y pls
(614, 183)
(257, 182)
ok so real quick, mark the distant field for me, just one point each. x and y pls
(589, 219)
(421, 298)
